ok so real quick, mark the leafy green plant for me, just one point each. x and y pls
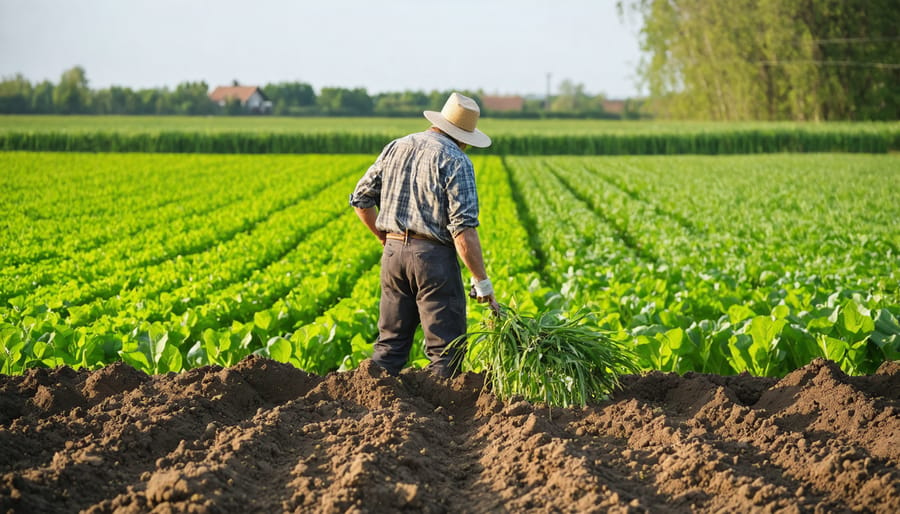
(711, 269)
(149, 350)
(547, 357)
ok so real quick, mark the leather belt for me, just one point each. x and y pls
(411, 235)
(408, 235)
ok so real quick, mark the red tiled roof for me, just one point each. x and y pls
(503, 103)
(242, 93)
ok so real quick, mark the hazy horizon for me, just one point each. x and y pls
(500, 46)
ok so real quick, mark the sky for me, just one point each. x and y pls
(502, 47)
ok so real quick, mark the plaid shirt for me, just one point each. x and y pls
(423, 183)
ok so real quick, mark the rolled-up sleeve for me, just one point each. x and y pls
(368, 190)
(462, 197)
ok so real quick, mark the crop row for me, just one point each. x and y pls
(727, 140)
(342, 336)
(91, 249)
(229, 254)
(713, 264)
(722, 287)
(399, 126)
(299, 256)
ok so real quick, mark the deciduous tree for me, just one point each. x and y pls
(72, 95)
(771, 59)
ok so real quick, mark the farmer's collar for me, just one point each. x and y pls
(460, 144)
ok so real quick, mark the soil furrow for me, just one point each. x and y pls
(266, 437)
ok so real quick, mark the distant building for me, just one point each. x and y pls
(503, 103)
(251, 97)
(614, 106)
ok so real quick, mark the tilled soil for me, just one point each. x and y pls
(266, 437)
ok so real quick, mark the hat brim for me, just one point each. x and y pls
(475, 138)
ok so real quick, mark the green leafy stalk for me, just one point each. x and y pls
(547, 357)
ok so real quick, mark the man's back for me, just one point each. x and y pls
(427, 186)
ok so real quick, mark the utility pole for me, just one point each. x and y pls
(547, 99)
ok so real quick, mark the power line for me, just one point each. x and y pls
(856, 40)
(855, 64)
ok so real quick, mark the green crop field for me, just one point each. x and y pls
(396, 126)
(247, 134)
(720, 264)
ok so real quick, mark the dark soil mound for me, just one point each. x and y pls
(266, 437)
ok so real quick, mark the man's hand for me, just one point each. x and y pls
(468, 246)
(492, 303)
(483, 292)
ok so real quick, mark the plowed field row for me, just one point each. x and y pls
(263, 437)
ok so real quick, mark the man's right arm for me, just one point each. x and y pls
(365, 197)
(368, 217)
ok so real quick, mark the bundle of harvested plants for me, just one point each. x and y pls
(548, 357)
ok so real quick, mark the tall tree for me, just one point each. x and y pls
(15, 95)
(572, 99)
(42, 98)
(345, 102)
(771, 59)
(72, 95)
(290, 98)
(406, 103)
(192, 98)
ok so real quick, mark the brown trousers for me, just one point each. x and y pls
(420, 283)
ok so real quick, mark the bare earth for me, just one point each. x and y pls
(266, 437)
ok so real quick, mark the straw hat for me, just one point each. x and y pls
(458, 119)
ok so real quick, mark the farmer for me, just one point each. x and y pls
(419, 199)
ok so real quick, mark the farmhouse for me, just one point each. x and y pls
(503, 103)
(614, 106)
(251, 97)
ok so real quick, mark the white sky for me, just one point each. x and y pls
(500, 46)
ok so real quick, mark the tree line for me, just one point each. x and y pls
(770, 59)
(72, 95)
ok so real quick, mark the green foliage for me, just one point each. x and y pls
(290, 98)
(345, 102)
(771, 59)
(572, 99)
(189, 98)
(72, 95)
(367, 135)
(15, 95)
(709, 264)
(149, 349)
(547, 357)
(712, 264)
